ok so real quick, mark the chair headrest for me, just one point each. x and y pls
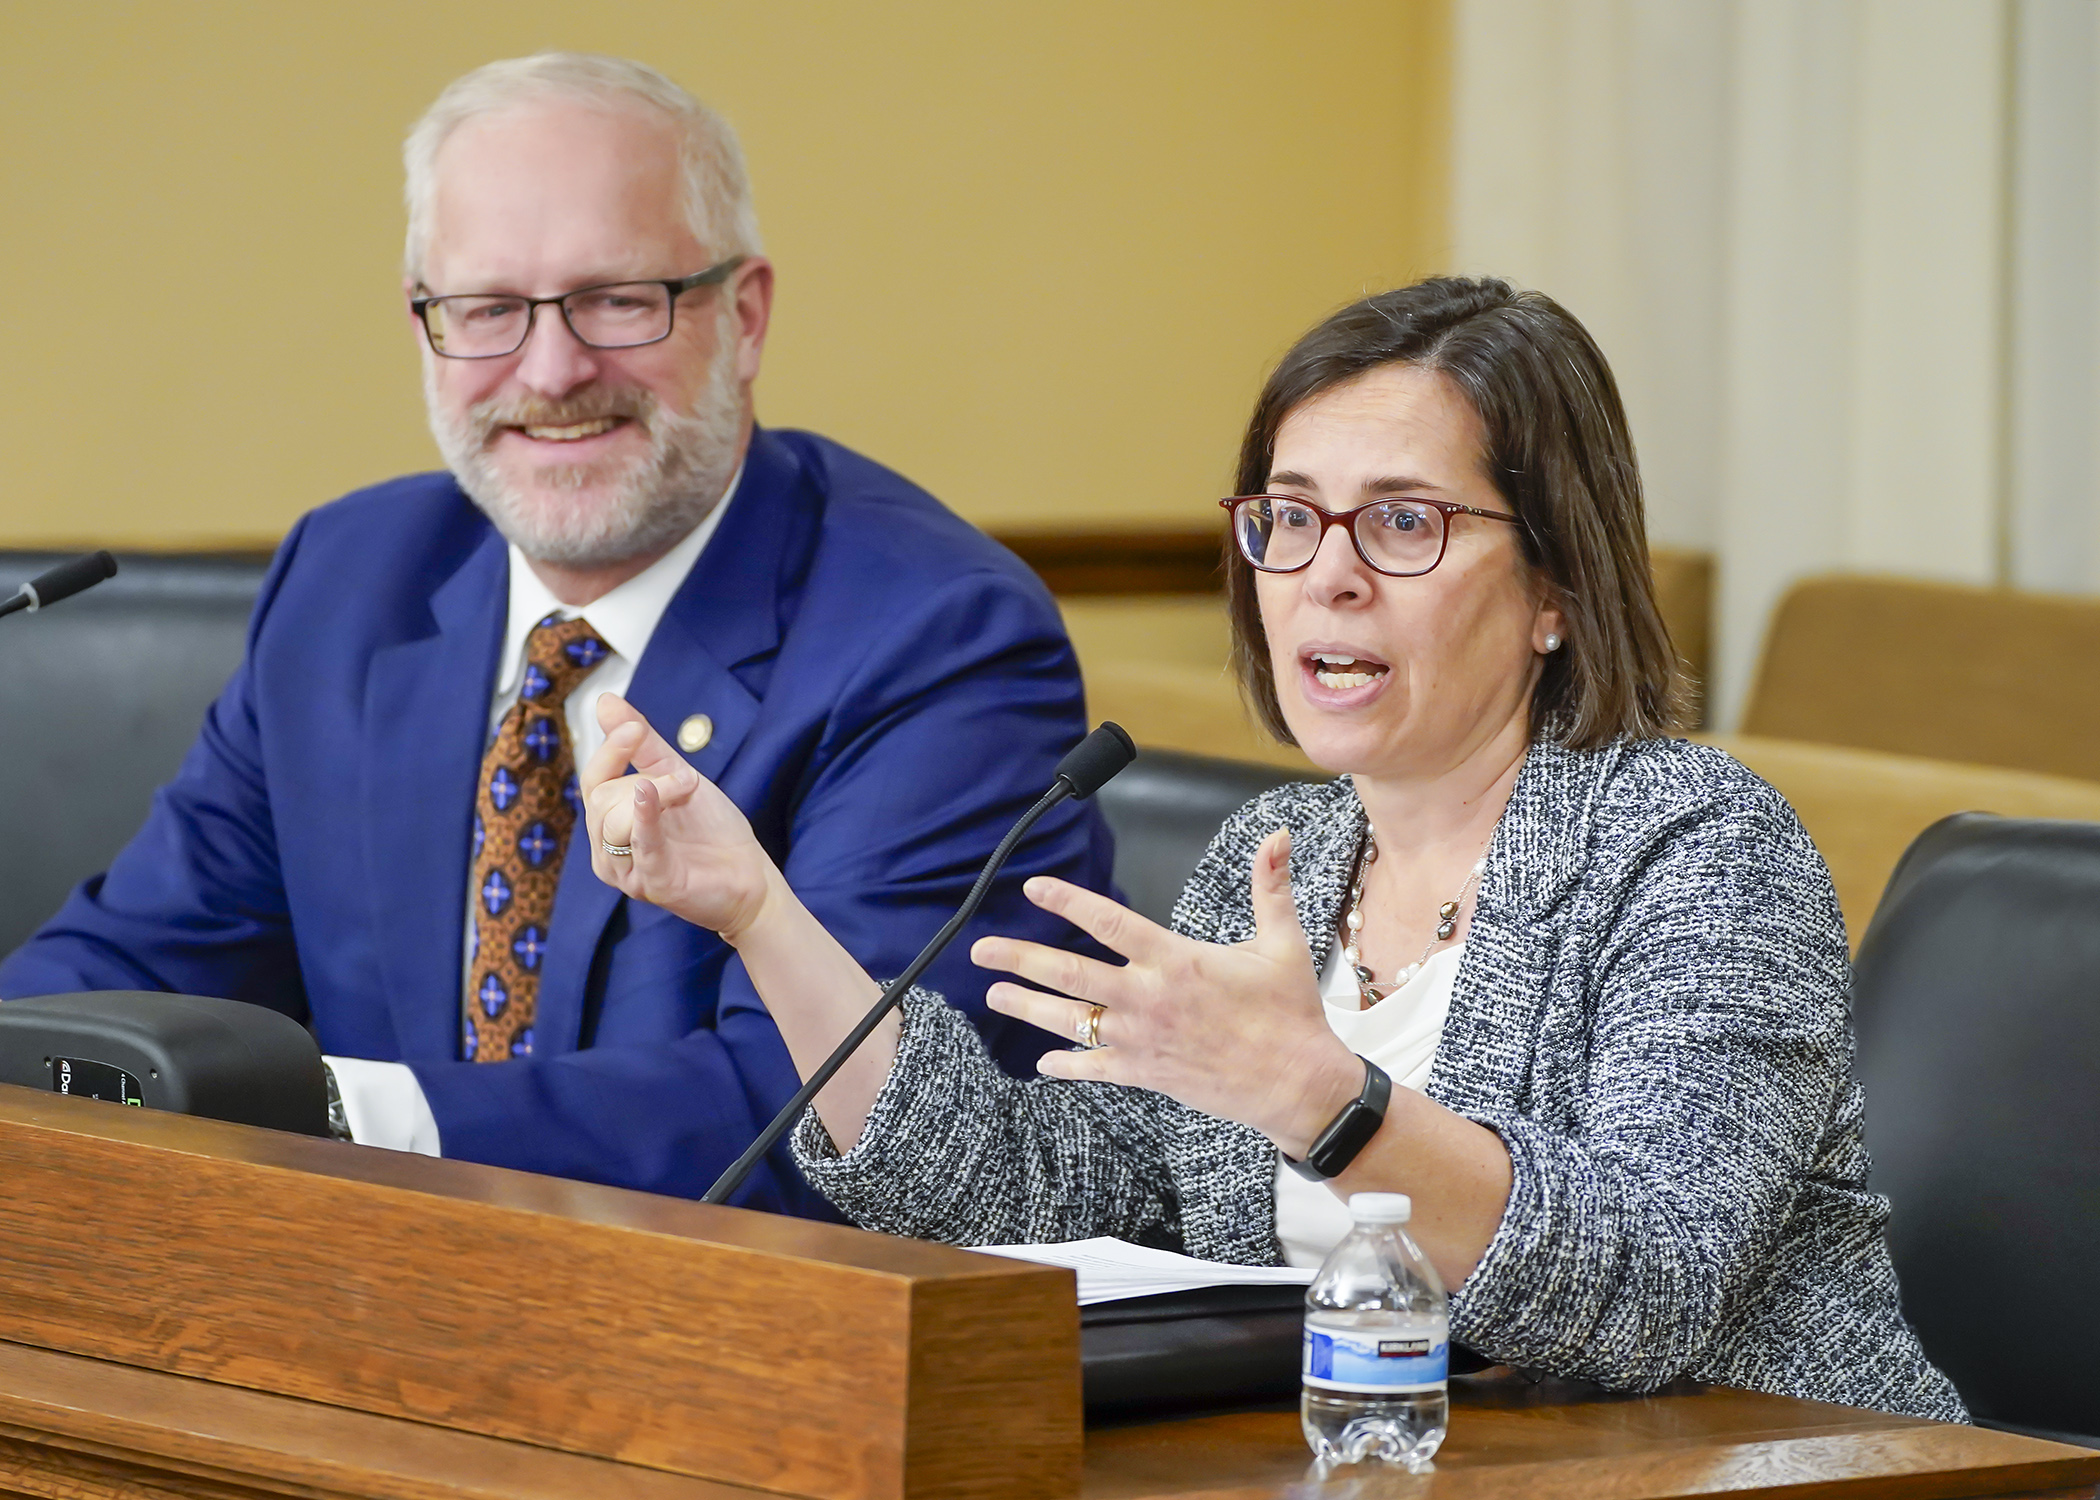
(1977, 1002)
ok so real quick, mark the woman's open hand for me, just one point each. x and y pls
(694, 852)
(1235, 1031)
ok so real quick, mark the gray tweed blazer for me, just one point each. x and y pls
(1652, 1013)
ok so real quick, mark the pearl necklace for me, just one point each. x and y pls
(1368, 991)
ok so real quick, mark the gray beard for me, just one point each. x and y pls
(657, 498)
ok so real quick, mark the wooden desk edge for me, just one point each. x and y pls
(232, 1436)
(237, 1442)
(1718, 1441)
(500, 1188)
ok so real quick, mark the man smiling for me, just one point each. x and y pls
(374, 830)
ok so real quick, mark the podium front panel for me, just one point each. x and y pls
(798, 1358)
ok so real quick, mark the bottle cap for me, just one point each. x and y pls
(1380, 1208)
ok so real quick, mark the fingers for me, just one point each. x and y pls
(612, 799)
(609, 868)
(604, 781)
(611, 759)
(1098, 1066)
(1055, 1014)
(1069, 973)
(652, 861)
(648, 752)
(1062, 1018)
(1115, 927)
(1275, 913)
(615, 712)
(628, 814)
(616, 824)
(655, 759)
(608, 818)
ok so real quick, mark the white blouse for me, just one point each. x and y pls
(1400, 1034)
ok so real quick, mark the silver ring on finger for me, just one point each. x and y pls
(1088, 1028)
(617, 851)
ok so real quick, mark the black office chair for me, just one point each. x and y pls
(99, 699)
(1978, 1006)
(1165, 808)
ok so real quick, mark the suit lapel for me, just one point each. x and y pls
(726, 613)
(425, 726)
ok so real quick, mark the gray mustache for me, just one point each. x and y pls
(490, 416)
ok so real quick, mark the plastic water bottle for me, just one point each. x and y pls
(1377, 1345)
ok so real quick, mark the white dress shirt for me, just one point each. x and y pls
(382, 1101)
(624, 619)
(1400, 1034)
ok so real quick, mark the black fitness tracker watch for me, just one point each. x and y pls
(1348, 1132)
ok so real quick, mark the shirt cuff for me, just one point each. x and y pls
(385, 1105)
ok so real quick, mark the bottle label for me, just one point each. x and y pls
(1382, 1361)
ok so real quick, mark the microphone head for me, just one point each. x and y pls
(69, 578)
(1094, 761)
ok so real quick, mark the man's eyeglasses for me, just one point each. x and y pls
(623, 315)
(1399, 538)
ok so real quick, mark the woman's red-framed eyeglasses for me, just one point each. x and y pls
(1399, 538)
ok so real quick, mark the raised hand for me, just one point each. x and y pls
(1235, 1031)
(694, 853)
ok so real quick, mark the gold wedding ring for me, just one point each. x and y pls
(1089, 1027)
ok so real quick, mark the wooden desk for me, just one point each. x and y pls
(197, 1310)
(84, 1430)
(1509, 1438)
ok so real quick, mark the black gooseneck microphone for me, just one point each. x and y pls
(1083, 772)
(61, 582)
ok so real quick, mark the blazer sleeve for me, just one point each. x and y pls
(195, 903)
(946, 724)
(955, 1150)
(1718, 1056)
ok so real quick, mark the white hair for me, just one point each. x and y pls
(717, 189)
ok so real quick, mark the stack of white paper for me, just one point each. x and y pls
(1110, 1270)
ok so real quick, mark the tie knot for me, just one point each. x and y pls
(559, 654)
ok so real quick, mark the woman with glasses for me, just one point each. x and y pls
(1579, 988)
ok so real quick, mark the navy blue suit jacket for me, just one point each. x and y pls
(889, 689)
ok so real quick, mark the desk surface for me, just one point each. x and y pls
(214, 1334)
(1509, 1438)
(85, 1430)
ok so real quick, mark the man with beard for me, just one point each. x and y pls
(374, 831)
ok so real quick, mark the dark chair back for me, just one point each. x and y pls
(1978, 1005)
(100, 697)
(1165, 808)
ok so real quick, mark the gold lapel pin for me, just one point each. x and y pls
(695, 732)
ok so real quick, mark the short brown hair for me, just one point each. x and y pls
(1558, 450)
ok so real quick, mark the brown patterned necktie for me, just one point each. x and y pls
(524, 811)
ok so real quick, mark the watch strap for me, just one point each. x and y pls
(1349, 1131)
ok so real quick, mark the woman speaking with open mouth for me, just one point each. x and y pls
(1578, 988)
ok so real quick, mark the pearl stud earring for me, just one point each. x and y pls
(1552, 644)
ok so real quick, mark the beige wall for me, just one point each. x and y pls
(1036, 257)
